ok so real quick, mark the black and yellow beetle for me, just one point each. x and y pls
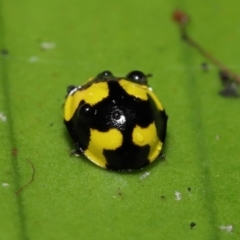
(116, 122)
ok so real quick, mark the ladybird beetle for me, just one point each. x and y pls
(116, 122)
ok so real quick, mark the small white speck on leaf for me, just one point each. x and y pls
(227, 228)
(3, 117)
(146, 174)
(178, 196)
(48, 45)
(217, 137)
(5, 184)
(33, 59)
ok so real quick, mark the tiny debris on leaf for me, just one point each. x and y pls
(230, 90)
(227, 228)
(178, 196)
(192, 225)
(47, 45)
(120, 194)
(180, 17)
(30, 181)
(5, 184)
(224, 77)
(230, 87)
(4, 52)
(14, 152)
(33, 59)
(3, 117)
(146, 174)
(205, 67)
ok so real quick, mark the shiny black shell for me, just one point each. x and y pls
(117, 123)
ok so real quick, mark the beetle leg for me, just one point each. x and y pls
(75, 153)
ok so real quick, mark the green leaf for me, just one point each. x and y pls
(70, 198)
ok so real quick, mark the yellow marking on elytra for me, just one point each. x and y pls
(140, 91)
(155, 99)
(134, 89)
(148, 136)
(99, 141)
(92, 95)
(90, 79)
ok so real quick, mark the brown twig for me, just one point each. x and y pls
(30, 181)
(182, 19)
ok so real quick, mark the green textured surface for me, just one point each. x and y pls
(71, 198)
